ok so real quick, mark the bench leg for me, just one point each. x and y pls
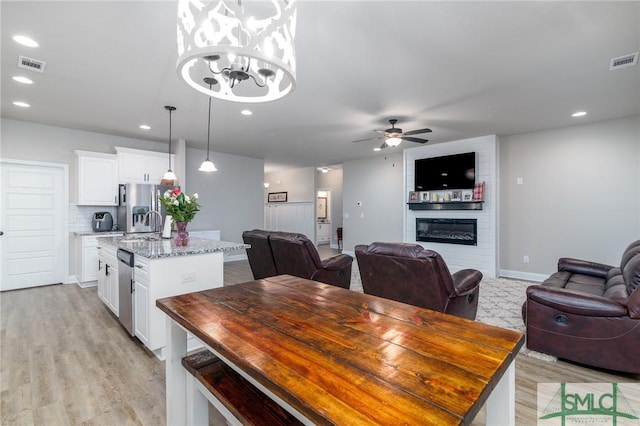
(175, 375)
(501, 404)
(197, 404)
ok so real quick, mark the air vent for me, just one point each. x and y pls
(31, 64)
(623, 61)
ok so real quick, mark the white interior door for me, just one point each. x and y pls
(34, 243)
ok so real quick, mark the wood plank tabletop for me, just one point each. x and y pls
(343, 357)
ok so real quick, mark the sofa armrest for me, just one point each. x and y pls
(574, 302)
(577, 266)
(466, 280)
(337, 262)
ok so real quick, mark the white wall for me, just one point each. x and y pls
(299, 184)
(579, 197)
(377, 183)
(22, 140)
(232, 197)
(484, 255)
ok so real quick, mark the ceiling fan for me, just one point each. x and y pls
(393, 136)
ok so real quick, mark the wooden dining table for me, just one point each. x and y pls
(333, 356)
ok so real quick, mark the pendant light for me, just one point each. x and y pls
(169, 178)
(207, 165)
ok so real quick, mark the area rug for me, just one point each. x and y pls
(500, 304)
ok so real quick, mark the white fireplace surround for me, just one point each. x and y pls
(484, 256)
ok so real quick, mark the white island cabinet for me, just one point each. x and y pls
(161, 270)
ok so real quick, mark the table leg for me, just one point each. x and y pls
(501, 404)
(175, 374)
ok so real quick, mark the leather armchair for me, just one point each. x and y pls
(411, 274)
(259, 255)
(295, 254)
(589, 313)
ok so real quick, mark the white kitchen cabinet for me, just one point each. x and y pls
(141, 299)
(164, 277)
(108, 276)
(324, 233)
(87, 265)
(97, 178)
(139, 166)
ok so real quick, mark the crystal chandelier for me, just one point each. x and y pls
(249, 53)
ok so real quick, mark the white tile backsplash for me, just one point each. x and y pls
(80, 216)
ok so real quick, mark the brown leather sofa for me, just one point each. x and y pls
(411, 274)
(589, 313)
(276, 253)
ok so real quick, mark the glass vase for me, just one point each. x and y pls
(181, 238)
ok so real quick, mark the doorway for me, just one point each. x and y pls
(34, 240)
(323, 217)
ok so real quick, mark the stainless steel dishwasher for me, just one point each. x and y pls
(126, 288)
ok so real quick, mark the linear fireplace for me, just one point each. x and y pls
(452, 231)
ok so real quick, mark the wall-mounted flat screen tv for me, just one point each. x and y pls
(449, 172)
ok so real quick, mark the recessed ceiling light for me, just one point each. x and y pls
(246, 112)
(145, 127)
(21, 79)
(21, 104)
(579, 114)
(25, 41)
(377, 149)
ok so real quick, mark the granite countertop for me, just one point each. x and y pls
(96, 234)
(160, 248)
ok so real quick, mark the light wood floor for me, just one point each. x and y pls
(65, 360)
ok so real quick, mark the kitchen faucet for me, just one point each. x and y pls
(146, 216)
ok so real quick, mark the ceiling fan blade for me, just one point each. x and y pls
(418, 140)
(415, 132)
(364, 140)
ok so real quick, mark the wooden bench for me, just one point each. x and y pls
(230, 393)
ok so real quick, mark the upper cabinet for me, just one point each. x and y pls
(138, 166)
(97, 179)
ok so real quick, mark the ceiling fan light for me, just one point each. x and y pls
(393, 141)
(207, 166)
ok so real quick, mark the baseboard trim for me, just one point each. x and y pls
(350, 253)
(527, 276)
(88, 284)
(71, 279)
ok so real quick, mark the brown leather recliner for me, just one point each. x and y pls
(295, 254)
(276, 253)
(260, 256)
(589, 313)
(411, 274)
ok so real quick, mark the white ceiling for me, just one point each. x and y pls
(462, 69)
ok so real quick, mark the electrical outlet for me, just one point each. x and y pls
(519, 181)
(525, 259)
(188, 278)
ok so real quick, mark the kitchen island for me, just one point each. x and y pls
(161, 269)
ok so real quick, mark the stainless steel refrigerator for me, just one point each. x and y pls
(136, 200)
